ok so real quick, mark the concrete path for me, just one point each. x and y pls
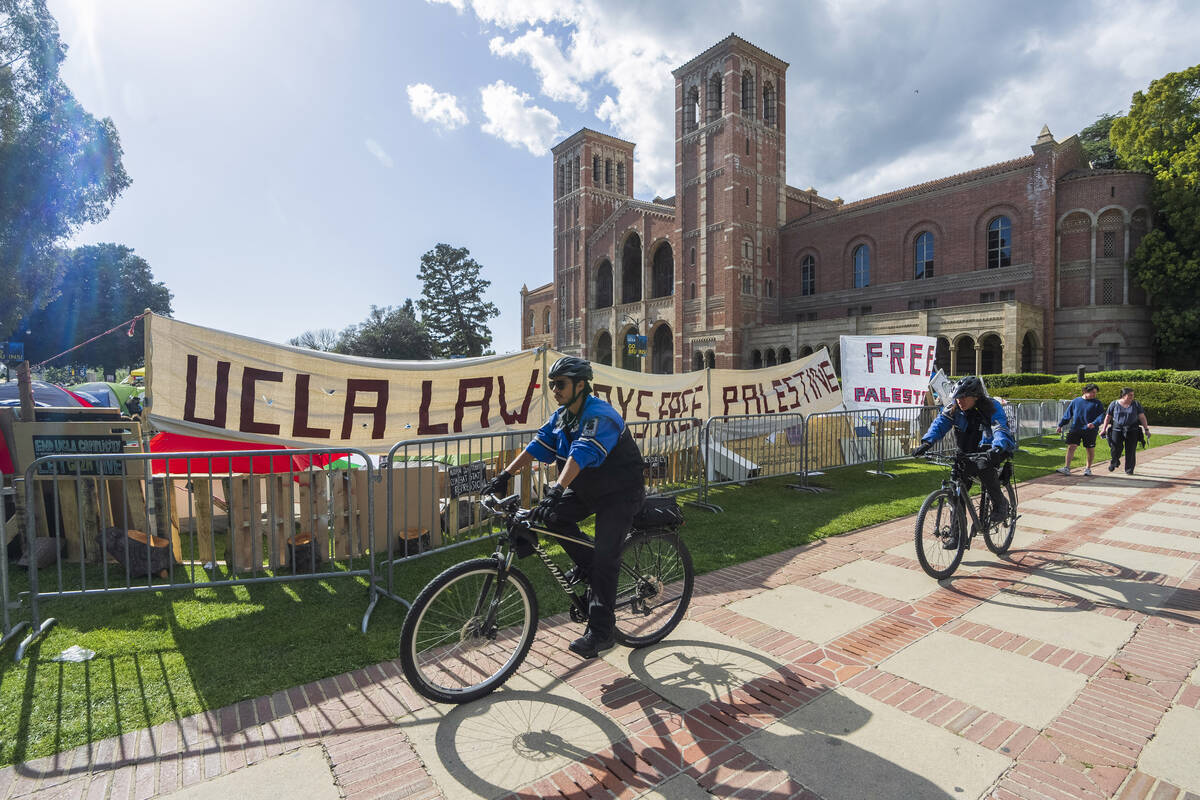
(835, 670)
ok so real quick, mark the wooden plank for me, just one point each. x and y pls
(67, 523)
(315, 509)
(202, 505)
(278, 521)
(243, 528)
(342, 539)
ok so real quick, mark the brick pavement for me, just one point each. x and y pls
(1095, 597)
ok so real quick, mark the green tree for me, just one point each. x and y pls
(60, 167)
(102, 286)
(1161, 135)
(452, 304)
(1097, 148)
(388, 333)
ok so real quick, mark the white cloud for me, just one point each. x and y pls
(438, 108)
(376, 149)
(512, 119)
(867, 111)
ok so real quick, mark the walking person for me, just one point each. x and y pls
(1124, 422)
(1084, 415)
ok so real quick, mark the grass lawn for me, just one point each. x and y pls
(166, 655)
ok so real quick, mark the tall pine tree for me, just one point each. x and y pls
(452, 305)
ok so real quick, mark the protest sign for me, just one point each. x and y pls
(884, 371)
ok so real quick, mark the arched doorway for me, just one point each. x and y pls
(604, 285)
(964, 352)
(771, 357)
(991, 356)
(629, 361)
(697, 361)
(662, 353)
(631, 269)
(941, 357)
(756, 361)
(663, 272)
(805, 352)
(710, 359)
(785, 355)
(603, 349)
(1029, 352)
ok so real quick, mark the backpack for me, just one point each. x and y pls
(658, 513)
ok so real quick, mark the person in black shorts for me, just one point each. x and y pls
(1084, 415)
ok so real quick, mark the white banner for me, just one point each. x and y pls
(205, 382)
(879, 372)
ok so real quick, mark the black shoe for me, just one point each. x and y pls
(591, 644)
(1112, 467)
(1000, 513)
(574, 575)
(951, 542)
(1128, 472)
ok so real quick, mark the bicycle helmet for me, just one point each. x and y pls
(577, 369)
(969, 386)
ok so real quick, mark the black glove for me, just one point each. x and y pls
(922, 449)
(499, 484)
(543, 514)
(998, 454)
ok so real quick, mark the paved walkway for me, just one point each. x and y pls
(835, 670)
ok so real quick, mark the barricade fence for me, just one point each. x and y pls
(9, 625)
(135, 522)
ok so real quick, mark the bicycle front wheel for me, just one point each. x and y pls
(468, 631)
(999, 534)
(939, 524)
(654, 587)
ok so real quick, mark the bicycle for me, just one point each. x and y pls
(471, 627)
(941, 535)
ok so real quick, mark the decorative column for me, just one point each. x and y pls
(1092, 265)
(978, 357)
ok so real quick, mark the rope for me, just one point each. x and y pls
(132, 323)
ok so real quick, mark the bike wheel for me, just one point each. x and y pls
(939, 519)
(999, 535)
(654, 587)
(466, 632)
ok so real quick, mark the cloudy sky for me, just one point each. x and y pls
(292, 159)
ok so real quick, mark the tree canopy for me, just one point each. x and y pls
(394, 333)
(102, 286)
(1097, 147)
(1161, 135)
(60, 167)
(452, 304)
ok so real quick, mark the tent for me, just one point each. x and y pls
(107, 393)
(45, 395)
(179, 443)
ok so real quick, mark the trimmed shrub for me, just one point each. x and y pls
(1191, 378)
(1017, 379)
(1165, 403)
(1127, 376)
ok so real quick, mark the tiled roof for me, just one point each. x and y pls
(1089, 172)
(940, 183)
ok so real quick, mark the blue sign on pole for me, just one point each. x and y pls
(635, 345)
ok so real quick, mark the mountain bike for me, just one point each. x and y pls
(471, 627)
(942, 535)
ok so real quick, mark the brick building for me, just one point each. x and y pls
(1017, 266)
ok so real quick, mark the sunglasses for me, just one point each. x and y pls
(555, 385)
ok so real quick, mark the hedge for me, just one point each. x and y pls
(1185, 378)
(1165, 403)
(1017, 379)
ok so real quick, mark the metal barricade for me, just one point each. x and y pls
(672, 450)
(902, 428)
(835, 439)
(9, 627)
(109, 524)
(748, 447)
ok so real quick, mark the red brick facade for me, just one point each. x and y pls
(1021, 264)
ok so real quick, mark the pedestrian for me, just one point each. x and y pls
(1124, 422)
(1084, 415)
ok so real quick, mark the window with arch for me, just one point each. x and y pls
(608, 173)
(769, 287)
(769, 104)
(747, 285)
(923, 256)
(621, 177)
(999, 243)
(862, 267)
(747, 94)
(715, 90)
(691, 110)
(575, 182)
(532, 326)
(768, 255)
(747, 197)
(747, 249)
(693, 290)
(692, 257)
(747, 145)
(595, 170)
(808, 275)
(546, 323)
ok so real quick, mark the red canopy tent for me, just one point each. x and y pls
(260, 464)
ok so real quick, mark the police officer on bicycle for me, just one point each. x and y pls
(600, 472)
(980, 426)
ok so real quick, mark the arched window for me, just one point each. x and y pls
(785, 355)
(862, 267)
(747, 145)
(691, 110)
(756, 360)
(692, 257)
(747, 197)
(546, 325)
(532, 325)
(631, 269)
(808, 275)
(710, 359)
(771, 357)
(714, 97)
(608, 173)
(697, 361)
(604, 285)
(768, 255)
(621, 177)
(747, 94)
(575, 182)
(663, 272)
(999, 243)
(747, 249)
(769, 105)
(595, 170)
(693, 290)
(923, 256)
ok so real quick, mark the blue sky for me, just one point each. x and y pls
(292, 159)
